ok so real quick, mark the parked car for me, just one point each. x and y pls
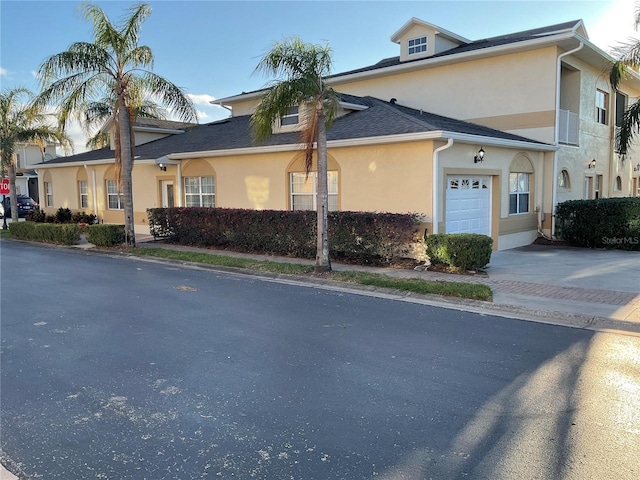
(26, 205)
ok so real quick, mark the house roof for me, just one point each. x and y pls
(151, 124)
(475, 45)
(464, 47)
(379, 119)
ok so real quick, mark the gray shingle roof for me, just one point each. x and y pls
(379, 119)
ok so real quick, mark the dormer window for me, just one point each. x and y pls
(417, 45)
(291, 117)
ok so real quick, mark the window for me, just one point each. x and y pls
(518, 193)
(563, 180)
(84, 197)
(601, 107)
(291, 117)
(304, 190)
(18, 161)
(199, 192)
(617, 184)
(48, 188)
(417, 45)
(115, 200)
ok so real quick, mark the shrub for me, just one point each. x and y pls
(36, 216)
(358, 237)
(105, 235)
(462, 251)
(61, 234)
(63, 215)
(81, 217)
(601, 223)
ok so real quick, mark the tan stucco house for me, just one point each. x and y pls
(481, 136)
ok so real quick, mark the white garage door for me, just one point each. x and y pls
(468, 204)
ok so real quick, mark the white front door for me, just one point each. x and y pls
(468, 204)
(168, 199)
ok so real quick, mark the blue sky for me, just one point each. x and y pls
(210, 48)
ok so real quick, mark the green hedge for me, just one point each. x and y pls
(463, 251)
(105, 235)
(356, 237)
(61, 234)
(601, 223)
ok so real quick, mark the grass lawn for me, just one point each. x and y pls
(453, 289)
(4, 233)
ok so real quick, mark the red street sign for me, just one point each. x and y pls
(4, 186)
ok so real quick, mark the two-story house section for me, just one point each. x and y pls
(549, 84)
(27, 155)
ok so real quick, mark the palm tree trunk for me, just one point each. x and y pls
(127, 169)
(323, 264)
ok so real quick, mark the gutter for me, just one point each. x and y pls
(554, 191)
(434, 189)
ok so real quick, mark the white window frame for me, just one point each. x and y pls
(520, 191)
(113, 196)
(291, 117)
(417, 45)
(332, 186)
(602, 99)
(48, 188)
(83, 192)
(194, 194)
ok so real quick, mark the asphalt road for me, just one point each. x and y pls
(117, 368)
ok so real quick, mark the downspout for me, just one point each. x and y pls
(179, 181)
(435, 206)
(94, 189)
(554, 192)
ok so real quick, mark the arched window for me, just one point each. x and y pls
(520, 185)
(617, 184)
(303, 187)
(564, 181)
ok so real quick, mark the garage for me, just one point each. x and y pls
(468, 204)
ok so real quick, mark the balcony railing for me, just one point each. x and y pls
(569, 125)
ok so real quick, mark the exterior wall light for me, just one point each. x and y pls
(162, 166)
(479, 157)
(592, 164)
(636, 168)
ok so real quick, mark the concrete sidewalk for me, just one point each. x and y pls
(598, 288)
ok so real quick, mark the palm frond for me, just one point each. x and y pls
(629, 129)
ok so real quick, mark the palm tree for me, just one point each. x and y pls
(628, 58)
(300, 70)
(116, 66)
(22, 120)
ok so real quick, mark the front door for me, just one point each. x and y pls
(168, 200)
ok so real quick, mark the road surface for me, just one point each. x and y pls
(118, 368)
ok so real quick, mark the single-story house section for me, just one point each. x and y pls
(382, 156)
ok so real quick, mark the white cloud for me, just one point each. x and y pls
(615, 27)
(202, 99)
(3, 72)
(202, 115)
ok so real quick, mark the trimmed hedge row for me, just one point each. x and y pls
(105, 235)
(601, 223)
(356, 237)
(61, 234)
(463, 251)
